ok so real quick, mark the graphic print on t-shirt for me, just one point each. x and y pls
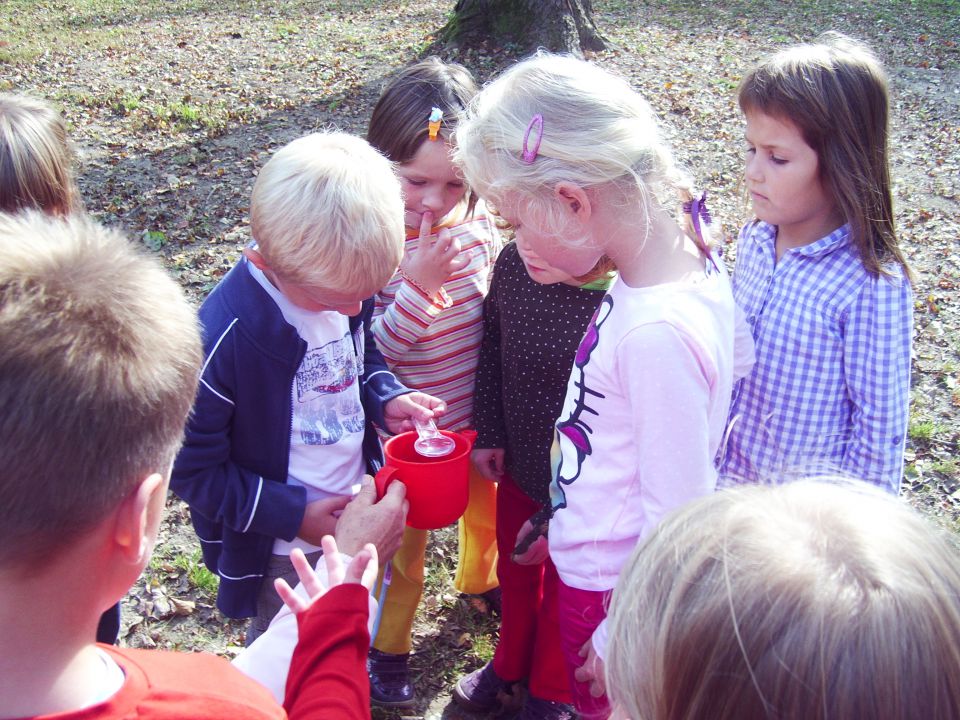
(327, 403)
(571, 445)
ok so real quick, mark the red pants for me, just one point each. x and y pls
(529, 645)
(580, 612)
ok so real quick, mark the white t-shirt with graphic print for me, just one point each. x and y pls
(326, 453)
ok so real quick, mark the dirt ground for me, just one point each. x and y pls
(174, 106)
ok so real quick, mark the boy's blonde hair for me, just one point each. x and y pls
(99, 359)
(327, 212)
(35, 158)
(805, 601)
(596, 131)
(835, 92)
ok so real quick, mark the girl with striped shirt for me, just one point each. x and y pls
(428, 325)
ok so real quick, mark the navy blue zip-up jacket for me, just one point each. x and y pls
(232, 469)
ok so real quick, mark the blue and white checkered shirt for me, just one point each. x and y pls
(830, 390)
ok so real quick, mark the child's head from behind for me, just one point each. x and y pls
(400, 129)
(552, 121)
(35, 158)
(99, 357)
(834, 94)
(327, 216)
(805, 600)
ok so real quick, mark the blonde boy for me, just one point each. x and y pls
(282, 428)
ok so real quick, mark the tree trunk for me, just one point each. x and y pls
(557, 25)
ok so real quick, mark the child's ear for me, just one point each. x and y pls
(256, 258)
(138, 518)
(573, 198)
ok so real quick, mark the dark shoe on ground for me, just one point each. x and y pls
(389, 679)
(481, 690)
(485, 603)
(537, 709)
(494, 599)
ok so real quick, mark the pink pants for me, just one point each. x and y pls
(529, 645)
(580, 612)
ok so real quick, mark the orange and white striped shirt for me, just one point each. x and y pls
(433, 345)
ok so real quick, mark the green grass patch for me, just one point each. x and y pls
(923, 431)
(197, 573)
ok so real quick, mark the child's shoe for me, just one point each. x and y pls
(537, 709)
(389, 679)
(481, 690)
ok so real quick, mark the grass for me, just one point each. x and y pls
(923, 431)
(197, 573)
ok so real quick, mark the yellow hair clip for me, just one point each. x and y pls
(433, 126)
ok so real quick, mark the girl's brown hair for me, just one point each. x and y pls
(398, 125)
(35, 158)
(835, 92)
(806, 601)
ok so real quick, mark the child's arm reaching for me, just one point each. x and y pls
(364, 521)
(876, 355)
(328, 672)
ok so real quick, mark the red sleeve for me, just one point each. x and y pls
(328, 672)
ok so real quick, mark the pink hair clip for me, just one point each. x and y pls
(433, 124)
(530, 154)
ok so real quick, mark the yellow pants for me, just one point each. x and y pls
(476, 566)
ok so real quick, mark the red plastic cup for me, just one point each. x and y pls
(437, 487)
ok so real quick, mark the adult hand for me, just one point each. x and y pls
(592, 670)
(362, 570)
(531, 547)
(381, 523)
(398, 414)
(489, 462)
(320, 518)
(433, 261)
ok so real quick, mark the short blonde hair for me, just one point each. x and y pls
(809, 600)
(35, 158)
(327, 211)
(596, 131)
(99, 359)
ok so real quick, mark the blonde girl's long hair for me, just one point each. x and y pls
(35, 158)
(596, 131)
(835, 92)
(804, 601)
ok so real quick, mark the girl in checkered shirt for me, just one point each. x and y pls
(819, 276)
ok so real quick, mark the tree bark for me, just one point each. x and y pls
(557, 25)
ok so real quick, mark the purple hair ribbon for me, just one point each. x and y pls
(698, 211)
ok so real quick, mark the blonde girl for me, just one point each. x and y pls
(803, 601)
(35, 159)
(427, 324)
(819, 274)
(533, 320)
(573, 158)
